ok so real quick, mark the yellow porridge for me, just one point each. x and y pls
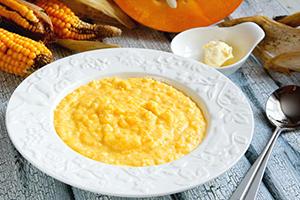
(134, 122)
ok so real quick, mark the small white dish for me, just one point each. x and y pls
(242, 37)
(29, 120)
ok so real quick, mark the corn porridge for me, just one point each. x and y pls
(133, 122)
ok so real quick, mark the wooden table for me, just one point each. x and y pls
(20, 180)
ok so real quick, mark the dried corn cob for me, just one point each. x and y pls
(25, 18)
(20, 55)
(68, 26)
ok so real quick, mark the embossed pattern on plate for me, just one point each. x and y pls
(29, 120)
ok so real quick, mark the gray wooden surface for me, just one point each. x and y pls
(20, 180)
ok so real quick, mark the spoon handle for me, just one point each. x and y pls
(248, 188)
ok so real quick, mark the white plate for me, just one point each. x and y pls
(29, 120)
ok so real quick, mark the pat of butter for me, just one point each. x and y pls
(216, 53)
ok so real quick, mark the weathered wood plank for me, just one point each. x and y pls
(290, 5)
(142, 37)
(19, 179)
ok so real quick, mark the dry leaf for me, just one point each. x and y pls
(280, 48)
(100, 10)
(84, 45)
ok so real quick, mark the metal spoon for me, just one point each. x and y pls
(283, 110)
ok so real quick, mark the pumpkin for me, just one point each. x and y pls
(159, 15)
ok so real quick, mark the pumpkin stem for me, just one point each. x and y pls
(172, 3)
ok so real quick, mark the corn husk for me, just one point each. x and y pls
(100, 11)
(292, 20)
(39, 11)
(84, 45)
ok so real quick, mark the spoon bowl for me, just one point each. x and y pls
(283, 107)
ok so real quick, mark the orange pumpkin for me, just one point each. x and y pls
(189, 13)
